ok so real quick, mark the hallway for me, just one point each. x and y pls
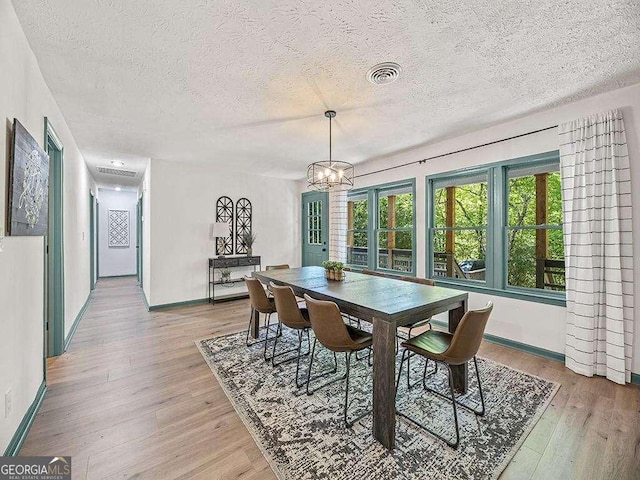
(133, 397)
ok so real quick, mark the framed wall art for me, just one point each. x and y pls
(118, 228)
(28, 202)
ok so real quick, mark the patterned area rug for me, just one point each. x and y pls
(303, 437)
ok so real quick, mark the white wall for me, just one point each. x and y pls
(527, 322)
(183, 205)
(25, 95)
(117, 261)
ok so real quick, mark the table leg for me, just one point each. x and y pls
(384, 385)
(255, 324)
(460, 372)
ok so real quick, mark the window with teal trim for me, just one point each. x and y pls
(534, 241)
(381, 228)
(499, 227)
(357, 232)
(459, 236)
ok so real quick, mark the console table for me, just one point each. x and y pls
(231, 263)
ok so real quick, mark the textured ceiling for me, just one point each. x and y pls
(243, 84)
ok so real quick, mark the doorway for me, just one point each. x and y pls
(139, 241)
(315, 228)
(54, 249)
(92, 239)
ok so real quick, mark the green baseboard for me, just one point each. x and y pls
(540, 352)
(188, 303)
(76, 322)
(25, 425)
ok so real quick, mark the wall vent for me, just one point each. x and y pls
(117, 171)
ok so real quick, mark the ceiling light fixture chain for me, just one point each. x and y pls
(330, 175)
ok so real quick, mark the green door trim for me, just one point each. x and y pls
(54, 295)
(139, 238)
(97, 257)
(92, 239)
(325, 221)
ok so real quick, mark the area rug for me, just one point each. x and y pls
(304, 437)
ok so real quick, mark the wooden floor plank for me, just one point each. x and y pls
(134, 397)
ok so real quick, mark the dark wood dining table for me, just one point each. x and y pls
(386, 303)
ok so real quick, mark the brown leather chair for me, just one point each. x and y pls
(283, 266)
(450, 349)
(262, 304)
(336, 336)
(294, 317)
(404, 332)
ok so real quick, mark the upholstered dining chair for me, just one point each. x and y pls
(336, 336)
(294, 317)
(450, 349)
(282, 266)
(262, 304)
(405, 332)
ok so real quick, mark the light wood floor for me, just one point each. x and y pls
(132, 397)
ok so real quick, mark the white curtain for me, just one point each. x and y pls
(596, 186)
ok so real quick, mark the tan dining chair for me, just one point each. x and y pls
(262, 304)
(283, 266)
(293, 317)
(405, 332)
(336, 336)
(450, 349)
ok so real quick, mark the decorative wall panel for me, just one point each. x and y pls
(243, 223)
(224, 213)
(118, 228)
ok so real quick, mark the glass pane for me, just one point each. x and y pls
(525, 199)
(400, 205)
(468, 257)
(470, 205)
(357, 245)
(358, 215)
(395, 251)
(525, 269)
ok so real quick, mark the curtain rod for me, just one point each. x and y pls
(453, 153)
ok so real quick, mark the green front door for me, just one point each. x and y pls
(315, 228)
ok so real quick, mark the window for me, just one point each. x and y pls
(499, 227)
(534, 231)
(459, 242)
(357, 232)
(314, 222)
(384, 214)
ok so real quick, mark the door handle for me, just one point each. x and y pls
(324, 249)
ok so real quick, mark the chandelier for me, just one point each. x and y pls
(329, 174)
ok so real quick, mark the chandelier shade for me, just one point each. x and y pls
(330, 174)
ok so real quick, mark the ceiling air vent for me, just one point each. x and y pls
(117, 171)
(384, 73)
